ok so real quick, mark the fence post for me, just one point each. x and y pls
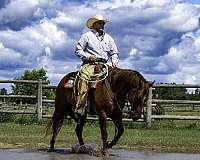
(149, 108)
(39, 103)
(0, 104)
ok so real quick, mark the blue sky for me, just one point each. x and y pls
(193, 1)
(159, 38)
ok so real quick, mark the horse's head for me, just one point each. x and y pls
(125, 81)
(138, 97)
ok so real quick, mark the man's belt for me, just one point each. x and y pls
(97, 60)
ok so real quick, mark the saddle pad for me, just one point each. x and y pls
(69, 84)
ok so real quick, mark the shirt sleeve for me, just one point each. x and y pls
(80, 47)
(114, 52)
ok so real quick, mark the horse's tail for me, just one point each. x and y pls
(53, 127)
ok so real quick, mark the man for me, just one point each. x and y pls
(95, 45)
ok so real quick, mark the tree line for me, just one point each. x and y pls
(177, 93)
(41, 74)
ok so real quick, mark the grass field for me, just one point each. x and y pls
(163, 136)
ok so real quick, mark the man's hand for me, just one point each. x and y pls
(92, 58)
(114, 65)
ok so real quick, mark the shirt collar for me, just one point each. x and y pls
(96, 33)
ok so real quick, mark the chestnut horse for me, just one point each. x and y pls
(123, 82)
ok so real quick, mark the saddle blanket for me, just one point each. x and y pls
(71, 83)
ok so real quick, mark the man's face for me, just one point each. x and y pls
(99, 26)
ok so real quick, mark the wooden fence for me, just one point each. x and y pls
(39, 96)
(150, 103)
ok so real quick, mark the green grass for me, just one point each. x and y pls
(170, 136)
(185, 113)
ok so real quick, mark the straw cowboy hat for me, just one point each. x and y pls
(94, 19)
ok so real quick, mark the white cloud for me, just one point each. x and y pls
(9, 57)
(32, 41)
(21, 8)
(161, 38)
(188, 74)
(66, 19)
(181, 18)
(51, 35)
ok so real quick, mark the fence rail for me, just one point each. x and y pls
(175, 101)
(176, 86)
(22, 81)
(19, 96)
(150, 103)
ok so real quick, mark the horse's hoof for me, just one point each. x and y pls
(105, 153)
(109, 145)
(51, 150)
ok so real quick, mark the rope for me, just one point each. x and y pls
(85, 75)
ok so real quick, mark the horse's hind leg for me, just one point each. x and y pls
(79, 129)
(117, 119)
(57, 121)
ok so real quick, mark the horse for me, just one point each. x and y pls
(122, 82)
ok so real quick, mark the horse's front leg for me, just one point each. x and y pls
(104, 134)
(117, 120)
(79, 128)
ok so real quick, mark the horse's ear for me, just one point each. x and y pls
(151, 83)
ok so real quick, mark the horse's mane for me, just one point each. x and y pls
(125, 79)
(143, 81)
(139, 75)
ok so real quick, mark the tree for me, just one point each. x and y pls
(3, 91)
(197, 91)
(171, 93)
(31, 89)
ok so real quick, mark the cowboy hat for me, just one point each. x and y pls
(94, 19)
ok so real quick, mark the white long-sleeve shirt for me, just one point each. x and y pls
(103, 47)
